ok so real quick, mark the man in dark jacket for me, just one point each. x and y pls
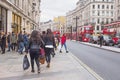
(8, 40)
(20, 42)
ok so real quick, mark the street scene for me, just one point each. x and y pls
(59, 39)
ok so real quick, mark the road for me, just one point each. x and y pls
(104, 63)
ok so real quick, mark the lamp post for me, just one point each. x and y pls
(71, 32)
(76, 18)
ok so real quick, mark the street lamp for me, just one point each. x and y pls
(71, 32)
(76, 18)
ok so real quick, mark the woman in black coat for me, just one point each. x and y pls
(49, 46)
(35, 43)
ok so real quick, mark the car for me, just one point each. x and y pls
(94, 39)
(107, 40)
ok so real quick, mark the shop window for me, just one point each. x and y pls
(97, 27)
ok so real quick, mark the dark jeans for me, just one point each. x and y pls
(47, 54)
(34, 55)
(13, 46)
(9, 46)
(3, 46)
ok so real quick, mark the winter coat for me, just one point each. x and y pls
(63, 39)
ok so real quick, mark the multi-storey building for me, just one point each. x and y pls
(45, 25)
(59, 24)
(91, 12)
(117, 10)
(19, 15)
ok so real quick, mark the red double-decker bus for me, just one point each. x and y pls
(86, 33)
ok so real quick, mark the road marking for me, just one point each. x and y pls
(87, 68)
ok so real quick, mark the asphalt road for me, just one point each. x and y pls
(104, 63)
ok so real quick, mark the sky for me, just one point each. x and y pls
(55, 8)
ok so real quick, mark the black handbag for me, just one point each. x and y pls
(26, 63)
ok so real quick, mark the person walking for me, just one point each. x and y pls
(13, 41)
(3, 45)
(20, 43)
(8, 41)
(63, 42)
(35, 43)
(26, 40)
(49, 46)
(101, 40)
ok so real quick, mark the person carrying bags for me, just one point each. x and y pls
(35, 43)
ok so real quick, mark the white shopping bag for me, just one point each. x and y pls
(59, 47)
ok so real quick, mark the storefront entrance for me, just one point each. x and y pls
(16, 23)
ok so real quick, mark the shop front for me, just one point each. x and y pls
(16, 23)
(3, 19)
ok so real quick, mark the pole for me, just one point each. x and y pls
(71, 32)
(76, 27)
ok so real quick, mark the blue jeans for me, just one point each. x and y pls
(9, 46)
(21, 46)
(64, 46)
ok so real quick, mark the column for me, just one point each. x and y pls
(9, 21)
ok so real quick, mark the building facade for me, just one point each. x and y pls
(45, 25)
(59, 24)
(117, 10)
(91, 12)
(19, 15)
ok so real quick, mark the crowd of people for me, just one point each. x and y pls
(14, 42)
(32, 44)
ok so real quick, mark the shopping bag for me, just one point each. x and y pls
(42, 59)
(42, 52)
(26, 63)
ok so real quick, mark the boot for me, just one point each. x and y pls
(48, 65)
(38, 71)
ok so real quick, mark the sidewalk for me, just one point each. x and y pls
(110, 48)
(64, 66)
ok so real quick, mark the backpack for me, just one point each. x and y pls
(35, 46)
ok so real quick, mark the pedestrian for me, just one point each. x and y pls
(35, 43)
(8, 41)
(3, 42)
(20, 43)
(101, 40)
(63, 42)
(26, 40)
(13, 40)
(49, 46)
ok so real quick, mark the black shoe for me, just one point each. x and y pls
(32, 71)
(66, 51)
(8, 50)
(60, 51)
(38, 71)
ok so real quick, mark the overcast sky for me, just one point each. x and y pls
(54, 8)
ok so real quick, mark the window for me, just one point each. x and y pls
(107, 13)
(111, 6)
(103, 6)
(111, 20)
(98, 6)
(111, 13)
(93, 6)
(103, 13)
(98, 13)
(107, 6)
(93, 13)
(97, 27)
(98, 21)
